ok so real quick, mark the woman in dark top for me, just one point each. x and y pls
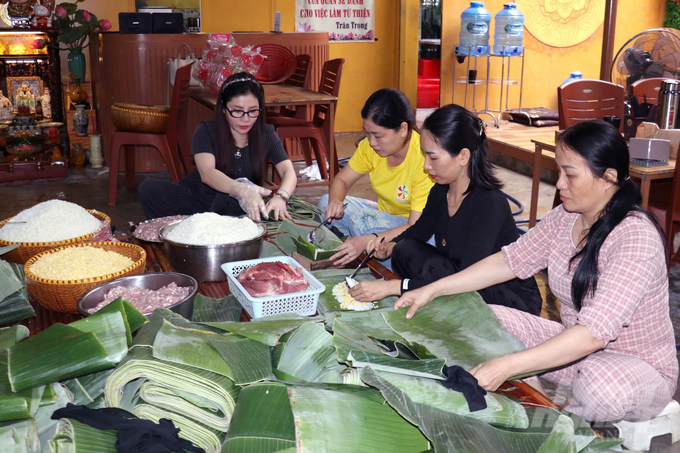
(466, 211)
(231, 153)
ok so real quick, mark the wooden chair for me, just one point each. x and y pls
(311, 133)
(585, 100)
(301, 78)
(169, 144)
(664, 203)
(647, 89)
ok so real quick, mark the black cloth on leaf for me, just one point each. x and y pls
(134, 434)
(461, 381)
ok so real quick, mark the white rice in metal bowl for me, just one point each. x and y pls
(53, 220)
(209, 228)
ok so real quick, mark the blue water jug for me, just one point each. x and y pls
(509, 31)
(576, 75)
(474, 30)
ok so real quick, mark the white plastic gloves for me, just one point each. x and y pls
(249, 197)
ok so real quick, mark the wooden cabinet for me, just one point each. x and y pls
(91, 115)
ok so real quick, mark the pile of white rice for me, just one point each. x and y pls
(347, 302)
(54, 220)
(209, 228)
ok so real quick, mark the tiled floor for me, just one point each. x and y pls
(90, 190)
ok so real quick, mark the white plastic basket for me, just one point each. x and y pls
(303, 303)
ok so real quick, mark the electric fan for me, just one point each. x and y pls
(652, 53)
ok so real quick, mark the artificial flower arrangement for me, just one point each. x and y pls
(75, 26)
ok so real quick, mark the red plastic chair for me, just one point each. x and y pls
(647, 89)
(585, 100)
(311, 133)
(170, 144)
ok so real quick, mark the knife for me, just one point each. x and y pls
(348, 280)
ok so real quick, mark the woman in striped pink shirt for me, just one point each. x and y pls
(606, 261)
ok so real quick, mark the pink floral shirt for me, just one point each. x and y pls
(629, 311)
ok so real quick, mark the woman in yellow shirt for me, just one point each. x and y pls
(392, 158)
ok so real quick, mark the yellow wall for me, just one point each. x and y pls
(368, 66)
(545, 67)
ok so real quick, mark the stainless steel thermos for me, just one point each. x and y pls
(669, 102)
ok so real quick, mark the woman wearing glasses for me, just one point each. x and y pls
(231, 154)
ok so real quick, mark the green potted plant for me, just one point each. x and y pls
(75, 26)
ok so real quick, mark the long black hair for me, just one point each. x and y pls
(453, 128)
(602, 147)
(389, 108)
(239, 85)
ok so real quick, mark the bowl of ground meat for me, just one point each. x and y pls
(146, 292)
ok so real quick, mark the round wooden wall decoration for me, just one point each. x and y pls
(562, 23)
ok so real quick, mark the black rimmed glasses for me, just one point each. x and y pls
(242, 113)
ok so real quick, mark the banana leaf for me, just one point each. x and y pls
(501, 411)
(216, 310)
(21, 275)
(266, 330)
(461, 329)
(47, 428)
(288, 230)
(19, 437)
(262, 421)
(9, 336)
(603, 445)
(47, 397)
(15, 307)
(75, 437)
(429, 368)
(9, 281)
(298, 209)
(328, 420)
(201, 436)
(8, 248)
(270, 249)
(175, 344)
(176, 401)
(48, 357)
(329, 279)
(372, 324)
(132, 317)
(561, 439)
(450, 432)
(314, 253)
(111, 330)
(140, 364)
(249, 360)
(347, 337)
(147, 334)
(308, 356)
(87, 389)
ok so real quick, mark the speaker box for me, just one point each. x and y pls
(134, 22)
(167, 23)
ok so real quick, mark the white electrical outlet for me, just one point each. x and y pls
(277, 22)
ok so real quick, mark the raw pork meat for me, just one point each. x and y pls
(272, 279)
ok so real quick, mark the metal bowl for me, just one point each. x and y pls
(184, 307)
(203, 261)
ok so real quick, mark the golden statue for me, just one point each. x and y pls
(24, 100)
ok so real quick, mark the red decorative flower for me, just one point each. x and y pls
(105, 25)
(60, 11)
(236, 51)
(258, 60)
(245, 58)
(86, 15)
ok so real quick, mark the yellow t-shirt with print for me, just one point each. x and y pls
(400, 189)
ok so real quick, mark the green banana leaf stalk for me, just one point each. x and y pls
(200, 435)
(299, 210)
(75, 437)
(193, 387)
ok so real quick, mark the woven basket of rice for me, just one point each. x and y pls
(28, 250)
(147, 119)
(63, 295)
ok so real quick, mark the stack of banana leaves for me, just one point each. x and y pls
(343, 381)
(14, 305)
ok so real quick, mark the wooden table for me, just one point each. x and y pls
(544, 157)
(280, 95)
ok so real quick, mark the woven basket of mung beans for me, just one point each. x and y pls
(28, 250)
(62, 294)
(147, 119)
